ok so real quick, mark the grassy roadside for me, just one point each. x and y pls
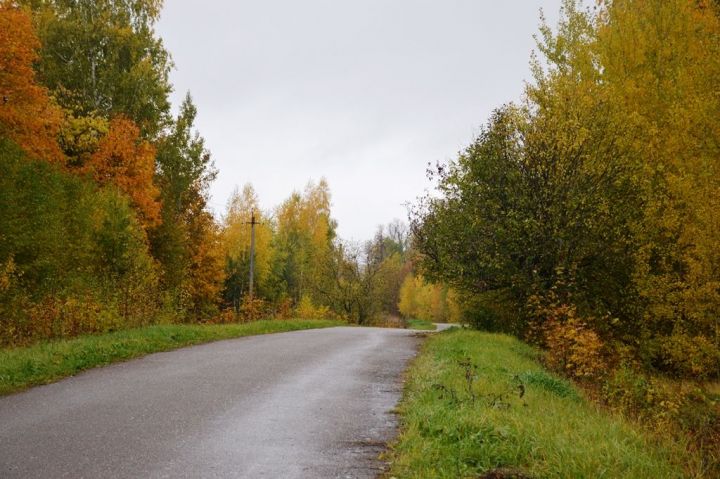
(42, 363)
(420, 325)
(479, 405)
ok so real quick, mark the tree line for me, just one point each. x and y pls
(303, 269)
(587, 216)
(104, 218)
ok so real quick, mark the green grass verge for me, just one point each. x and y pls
(42, 363)
(549, 432)
(420, 324)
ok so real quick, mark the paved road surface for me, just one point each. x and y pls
(443, 326)
(306, 404)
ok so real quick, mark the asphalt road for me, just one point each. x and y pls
(443, 326)
(305, 404)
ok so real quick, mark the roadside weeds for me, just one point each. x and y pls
(479, 405)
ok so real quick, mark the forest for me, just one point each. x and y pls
(104, 217)
(584, 217)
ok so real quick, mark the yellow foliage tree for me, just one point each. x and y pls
(631, 88)
(305, 233)
(661, 63)
(408, 297)
(428, 301)
(236, 242)
(206, 272)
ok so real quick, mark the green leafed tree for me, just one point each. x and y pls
(103, 57)
(184, 173)
(73, 257)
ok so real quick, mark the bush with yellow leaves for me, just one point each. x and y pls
(572, 346)
(307, 310)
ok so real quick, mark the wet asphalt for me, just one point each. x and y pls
(305, 404)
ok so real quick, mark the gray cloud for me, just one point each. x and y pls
(365, 93)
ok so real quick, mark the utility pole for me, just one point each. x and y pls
(252, 249)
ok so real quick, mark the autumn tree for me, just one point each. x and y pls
(27, 115)
(118, 171)
(81, 265)
(101, 57)
(361, 282)
(597, 195)
(303, 242)
(389, 261)
(129, 276)
(236, 239)
(187, 241)
(80, 137)
(205, 273)
(429, 302)
(352, 284)
(128, 162)
(74, 254)
(661, 64)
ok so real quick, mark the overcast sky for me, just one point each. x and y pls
(364, 93)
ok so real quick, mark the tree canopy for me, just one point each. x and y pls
(599, 191)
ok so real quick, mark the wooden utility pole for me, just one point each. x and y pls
(252, 224)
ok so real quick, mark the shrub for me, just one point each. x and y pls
(683, 409)
(307, 310)
(494, 311)
(686, 356)
(573, 347)
(252, 309)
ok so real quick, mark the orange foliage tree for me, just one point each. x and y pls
(122, 159)
(27, 115)
(205, 273)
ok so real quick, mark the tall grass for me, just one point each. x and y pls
(480, 405)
